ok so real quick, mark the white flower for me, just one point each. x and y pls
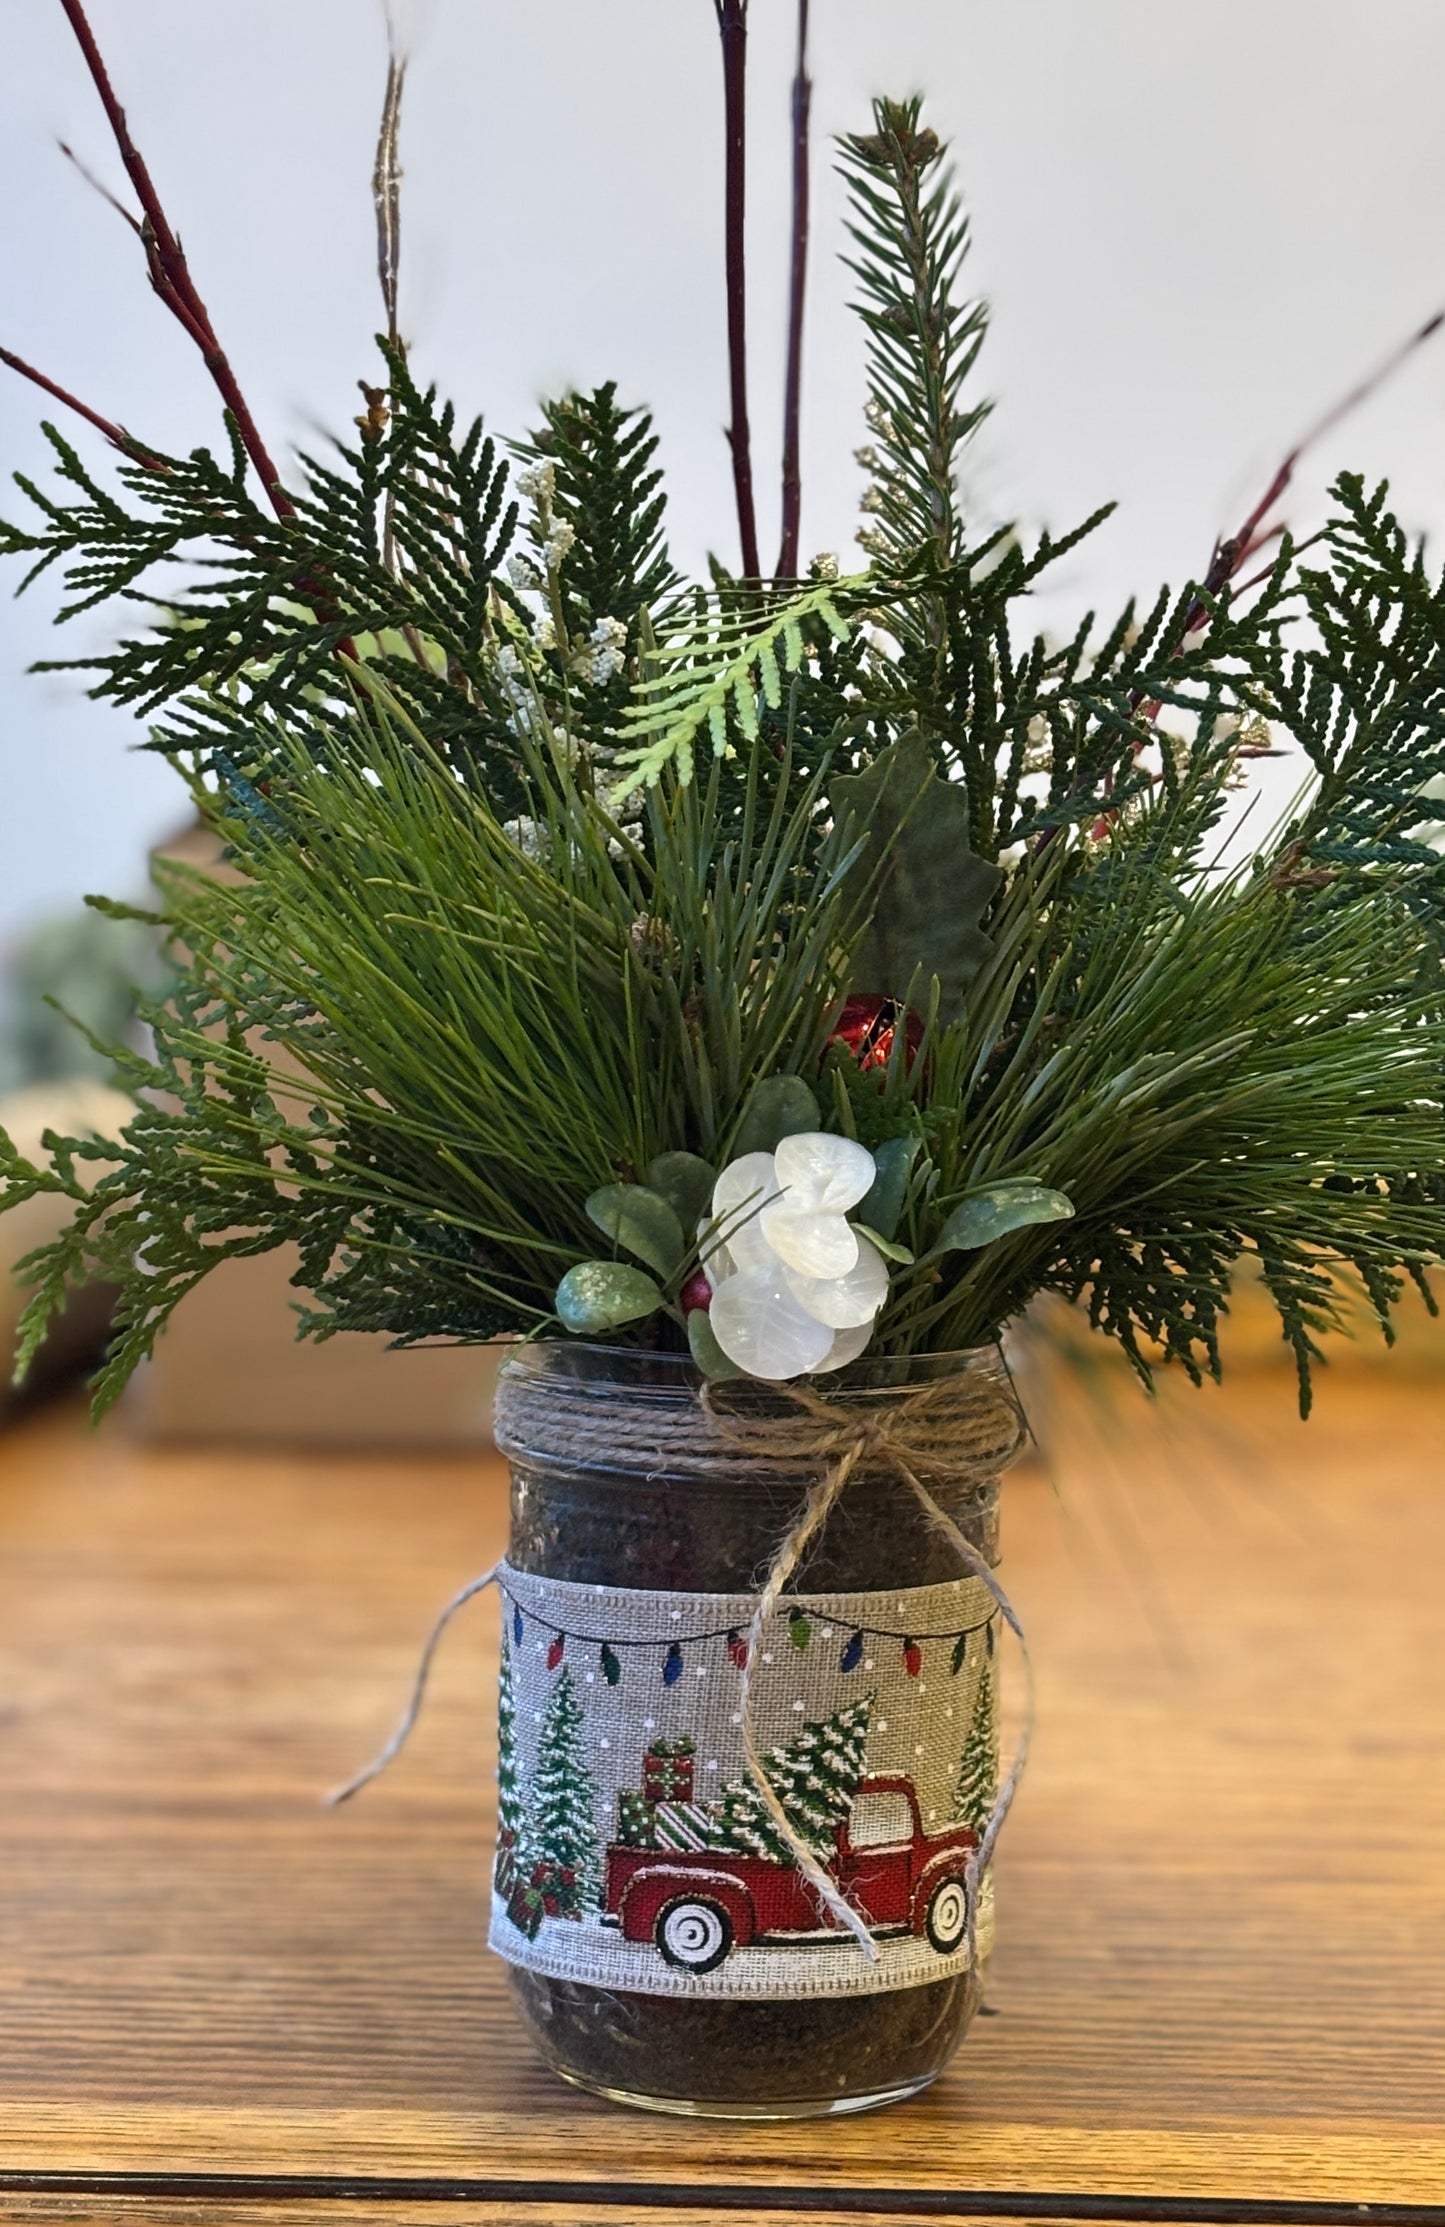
(818, 1178)
(796, 1289)
(523, 573)
(559, 541)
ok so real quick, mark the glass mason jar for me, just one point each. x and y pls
(602, 1517)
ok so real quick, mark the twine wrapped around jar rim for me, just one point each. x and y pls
(966, 1426)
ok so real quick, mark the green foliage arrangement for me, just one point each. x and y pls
(555, 884)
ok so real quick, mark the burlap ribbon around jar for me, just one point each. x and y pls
(965, 1426)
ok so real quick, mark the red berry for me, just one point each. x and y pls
(696, 1293)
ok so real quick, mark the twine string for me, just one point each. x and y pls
(958, 1425)
(412, 1711)
(975, 1434)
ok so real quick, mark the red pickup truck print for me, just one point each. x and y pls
(696, 1904)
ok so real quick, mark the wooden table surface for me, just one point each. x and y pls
(1219, 1993)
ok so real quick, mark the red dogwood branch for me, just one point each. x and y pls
(1238, 548)
(732, 22)
(797, 288)
(169, 271)
(115, 434)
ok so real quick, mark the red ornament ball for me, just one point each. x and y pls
(695, 1294)
(868, 1026)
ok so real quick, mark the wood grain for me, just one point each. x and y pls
(1221, 1974)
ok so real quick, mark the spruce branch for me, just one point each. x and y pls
(912, 237)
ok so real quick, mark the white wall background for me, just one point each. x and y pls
(1197, 227)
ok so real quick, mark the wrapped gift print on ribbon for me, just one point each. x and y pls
(668, 1769)
(634, 1848)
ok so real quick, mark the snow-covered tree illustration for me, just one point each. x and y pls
(815, 1778)
(511, 1809)
(977, 1789)
(561, 1836)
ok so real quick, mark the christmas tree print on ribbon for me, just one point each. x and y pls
(511, 1808)
(562, 1873)
(977, 1788)
(815, 1778)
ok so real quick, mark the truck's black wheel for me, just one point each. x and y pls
(947, 1920)
(693, 1933)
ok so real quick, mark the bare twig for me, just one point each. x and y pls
(169, 271)
(98, 185)
(798, 278)
(386, 190)
(115, 434)
(386, 200)
(732, 23)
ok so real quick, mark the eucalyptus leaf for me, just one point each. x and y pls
(642, 1222)
(781, 1106)
(887, 1246)
(685, 1181)
(882, 1209)
(706, 1351)
(997, 1210)
(930, 890)
(603, 1294)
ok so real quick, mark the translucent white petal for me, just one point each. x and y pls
(738, 1194)
(825, 1174)
(846, 1347)
(760, 1326)
(845, 1302)
(812, 1243)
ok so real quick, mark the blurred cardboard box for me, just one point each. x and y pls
(229, 1369)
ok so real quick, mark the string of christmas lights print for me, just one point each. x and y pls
(634, 1850)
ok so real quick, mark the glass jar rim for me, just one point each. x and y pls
(592, 1360)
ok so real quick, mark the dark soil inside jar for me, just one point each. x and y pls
(680, 1535)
